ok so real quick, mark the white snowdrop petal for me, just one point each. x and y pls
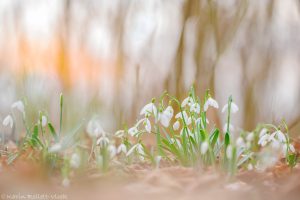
(176, 125)
(234, 107)
(229, 152)
(250, 137)
(210, 103)
(55, 148)
(292, 148)
(204, 147)
(75, 161)
(8, 121)
(225, 108)
(19, 105)
(44, 121)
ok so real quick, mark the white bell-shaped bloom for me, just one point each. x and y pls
(176, 125)
(280, 136)
(250, 137)
(166, 116)
(149, 109)
(264, 140)
(120, 133)
(8, 121)
(138, 148)
(204, 147)
(122, 148)
(240, 143)
(112, 150)
(210, 102)
(55, 148)
(44, 121)
(103, 141)
(195, 107)
(133, 131)
(147, 125)
(19, 105)
(234, 108)
(75, 161)
(187, 101)
(94, 128)
(229, 152)
(231, 128)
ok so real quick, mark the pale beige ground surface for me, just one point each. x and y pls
(167, 183)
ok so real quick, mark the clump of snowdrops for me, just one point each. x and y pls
(186, 137)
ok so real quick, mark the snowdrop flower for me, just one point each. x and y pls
(75, 161)
(250, 137)
(275, 144)
(150, 108)
(187, 101)
(112, 150)
(120, 133)
(122, 148)
(188, 120)
(264, 140)
(173, 141)
(19, 105)
(166, 116)
(8, 121)
(176, 125)
(204, 147)
(286, 148)
(137, 147)
(229, 152)
(195, 107)
(94, 129)
(103, 141)
(250, 167)
(55, 148)
(133, 131)
(263, 132)
(66, 182)
(44, 121)
(281, 137)
(234, 108)
(210, 102)
(231, 128)
(157, 160)
(240, 142)
(147, 125)
(199, 121)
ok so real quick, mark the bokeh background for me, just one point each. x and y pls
(110, 57)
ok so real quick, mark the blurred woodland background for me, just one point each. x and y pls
(110, 57)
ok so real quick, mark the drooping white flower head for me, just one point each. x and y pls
(280, 136)
(264, 139)
(187, 101)
(286, 148)
(186, 118)
(103, 141)
(166, 116)
(250, 167)
(94, 128)
(112, 150)
(57, 147)
(44, 121)
(195, 107)
(122, 148)
(75, 161)
(229, 152)
(149, 109)
(240, 143)
(157, 160)
(231, 128)
(8, 121)
(234, 108)
(147, 125)
(133, 131)
(66, 182)
(263, 132)
(138, 148)
(210, 102)
(250, 137)
(19, 105)
(204, 147)
(176, 125)
(120, 133)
